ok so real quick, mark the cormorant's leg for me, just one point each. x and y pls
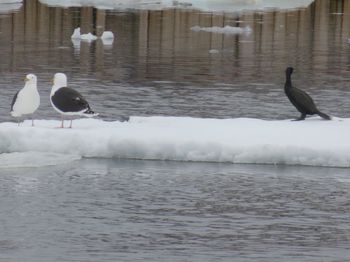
(71, 121)
(302, 117)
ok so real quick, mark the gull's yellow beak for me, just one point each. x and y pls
(26, 79)
(52, 81)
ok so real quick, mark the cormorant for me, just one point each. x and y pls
(300, 99)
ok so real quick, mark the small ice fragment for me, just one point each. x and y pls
(196, 28)
(107, 35)
(107, 41)
(107, 38)
(223, 30)
(213, 51)
(76, 34)
(88, 37)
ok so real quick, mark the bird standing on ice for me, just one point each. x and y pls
(27, 100)
(300, 99)
(67, 101)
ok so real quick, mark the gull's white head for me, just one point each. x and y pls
(60, 80)
(30, 79)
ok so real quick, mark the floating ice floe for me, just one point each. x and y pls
(10, 1)
(203, 5)
(85, 37)
(107, 35)
(88, 37)
(107, 38)
(76, 34)
(230, 30)
(214, 51)
(9, 6)
(76, 41)
(313, 142)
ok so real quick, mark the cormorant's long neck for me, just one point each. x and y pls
(288, 83)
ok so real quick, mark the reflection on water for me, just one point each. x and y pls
(159, 66)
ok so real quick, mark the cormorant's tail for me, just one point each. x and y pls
(323, 115)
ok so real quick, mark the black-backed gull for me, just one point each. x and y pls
(67, 101)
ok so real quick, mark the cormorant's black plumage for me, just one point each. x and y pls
(300, 99)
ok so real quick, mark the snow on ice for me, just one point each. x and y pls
(204, 5)
(8, 6)
(312, 142)
(34, 159)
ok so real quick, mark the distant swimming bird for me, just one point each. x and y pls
(67, 101)
(300, 99)
(27, 100)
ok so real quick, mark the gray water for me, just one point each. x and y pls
(132, 210)
(129, 210)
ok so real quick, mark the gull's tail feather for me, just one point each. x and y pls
(90, 113)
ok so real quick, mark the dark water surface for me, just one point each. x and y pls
(124, 210)
(107, 210)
